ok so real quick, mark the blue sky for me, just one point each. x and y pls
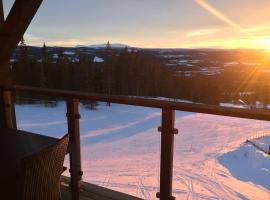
(152, 23)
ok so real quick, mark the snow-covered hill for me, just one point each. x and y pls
(121, 150)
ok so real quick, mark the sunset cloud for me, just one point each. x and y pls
(202, 32)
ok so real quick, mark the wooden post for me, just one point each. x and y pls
(167, 147)
(73, 118)
(2, 111)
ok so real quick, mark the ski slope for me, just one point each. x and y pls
(121, 149)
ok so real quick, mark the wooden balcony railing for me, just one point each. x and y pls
(167, 128)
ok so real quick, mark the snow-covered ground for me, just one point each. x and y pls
(121, 149)
(98, 59)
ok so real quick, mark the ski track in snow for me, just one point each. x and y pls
(121, 150)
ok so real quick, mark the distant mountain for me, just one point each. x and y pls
(100, 46)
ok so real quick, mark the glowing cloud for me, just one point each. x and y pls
(202, 32)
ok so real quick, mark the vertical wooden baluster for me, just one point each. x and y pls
(7, 112)
(2, 110)
(166, 161)
(73, 117)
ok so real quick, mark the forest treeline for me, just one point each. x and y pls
(130, 72)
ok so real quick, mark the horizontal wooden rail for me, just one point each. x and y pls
(258, 114)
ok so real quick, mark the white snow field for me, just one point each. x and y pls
(121, 150)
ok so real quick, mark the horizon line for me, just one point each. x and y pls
(131, 47)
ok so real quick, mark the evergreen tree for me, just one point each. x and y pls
(23, 73)
(108, 69)
(23, 53)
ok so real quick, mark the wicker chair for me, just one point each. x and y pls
(40, 175)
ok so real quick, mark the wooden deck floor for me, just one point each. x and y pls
(93, 192)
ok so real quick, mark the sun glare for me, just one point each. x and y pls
(265, 44)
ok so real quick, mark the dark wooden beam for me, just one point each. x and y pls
(2, 17)
(11, 31)
(7, 111)
(2, 112)
(3, 66)
(18, 20)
